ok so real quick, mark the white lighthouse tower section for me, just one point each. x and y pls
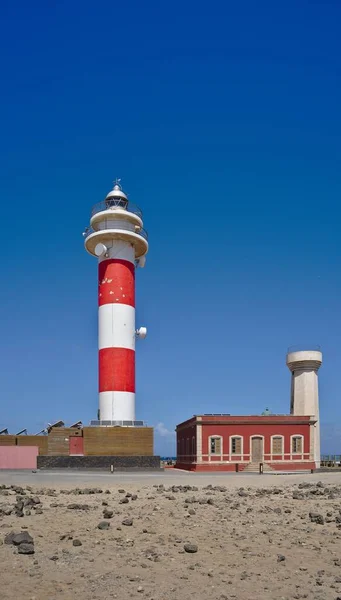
(117, 239)
(304, 366)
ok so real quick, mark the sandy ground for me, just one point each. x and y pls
(257, 537)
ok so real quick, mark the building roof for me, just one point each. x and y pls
(222, 419)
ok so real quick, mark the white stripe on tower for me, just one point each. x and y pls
(116, 326)
(116, 333)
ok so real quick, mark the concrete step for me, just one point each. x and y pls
(254, 468)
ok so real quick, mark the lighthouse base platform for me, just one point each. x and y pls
(104, 463)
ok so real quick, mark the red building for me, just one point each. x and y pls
(231, 443)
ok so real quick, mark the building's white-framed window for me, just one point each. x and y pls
(193, 446)
(277, 445)
(236, 444)
(215, 445)
(297, 444)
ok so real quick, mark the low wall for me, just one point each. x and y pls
(231, 467)
(18, 457)
(293, 466)
(120, 463)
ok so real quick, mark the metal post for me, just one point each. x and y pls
(237, 467)
(260, 468)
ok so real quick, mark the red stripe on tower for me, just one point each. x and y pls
(116, 370)
(116, 282)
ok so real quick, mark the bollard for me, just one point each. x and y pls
(111, 468)
(237, 468)
(260, 468)
(311, 471)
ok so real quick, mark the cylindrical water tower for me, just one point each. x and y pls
(304, 366)
(117, 239)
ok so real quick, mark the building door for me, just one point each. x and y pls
(76, 446)
(257, 450)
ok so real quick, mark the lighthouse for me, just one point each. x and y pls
(117, 239)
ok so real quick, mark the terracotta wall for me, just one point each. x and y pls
(246, 431)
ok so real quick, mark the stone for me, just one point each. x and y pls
(121, 491)
(77, 542)
(280, 558)
(128, 522)
(19, 538)
(108, 514)
(298, 495)
(124, 501)
(39, 511)
(134, 497)
(191, 511)
(103, 525)
(9, 537)
(26, 549)
(18, 490)
(191, 548)
(75, 506)
(316, 518)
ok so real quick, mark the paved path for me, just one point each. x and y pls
(168, 477)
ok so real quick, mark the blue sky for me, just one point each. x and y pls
(223, 121)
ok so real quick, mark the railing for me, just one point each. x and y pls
(142, 232)
(118, 424)
(330, 460)
(112, 204)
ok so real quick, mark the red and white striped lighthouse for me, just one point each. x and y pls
(117, 238)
